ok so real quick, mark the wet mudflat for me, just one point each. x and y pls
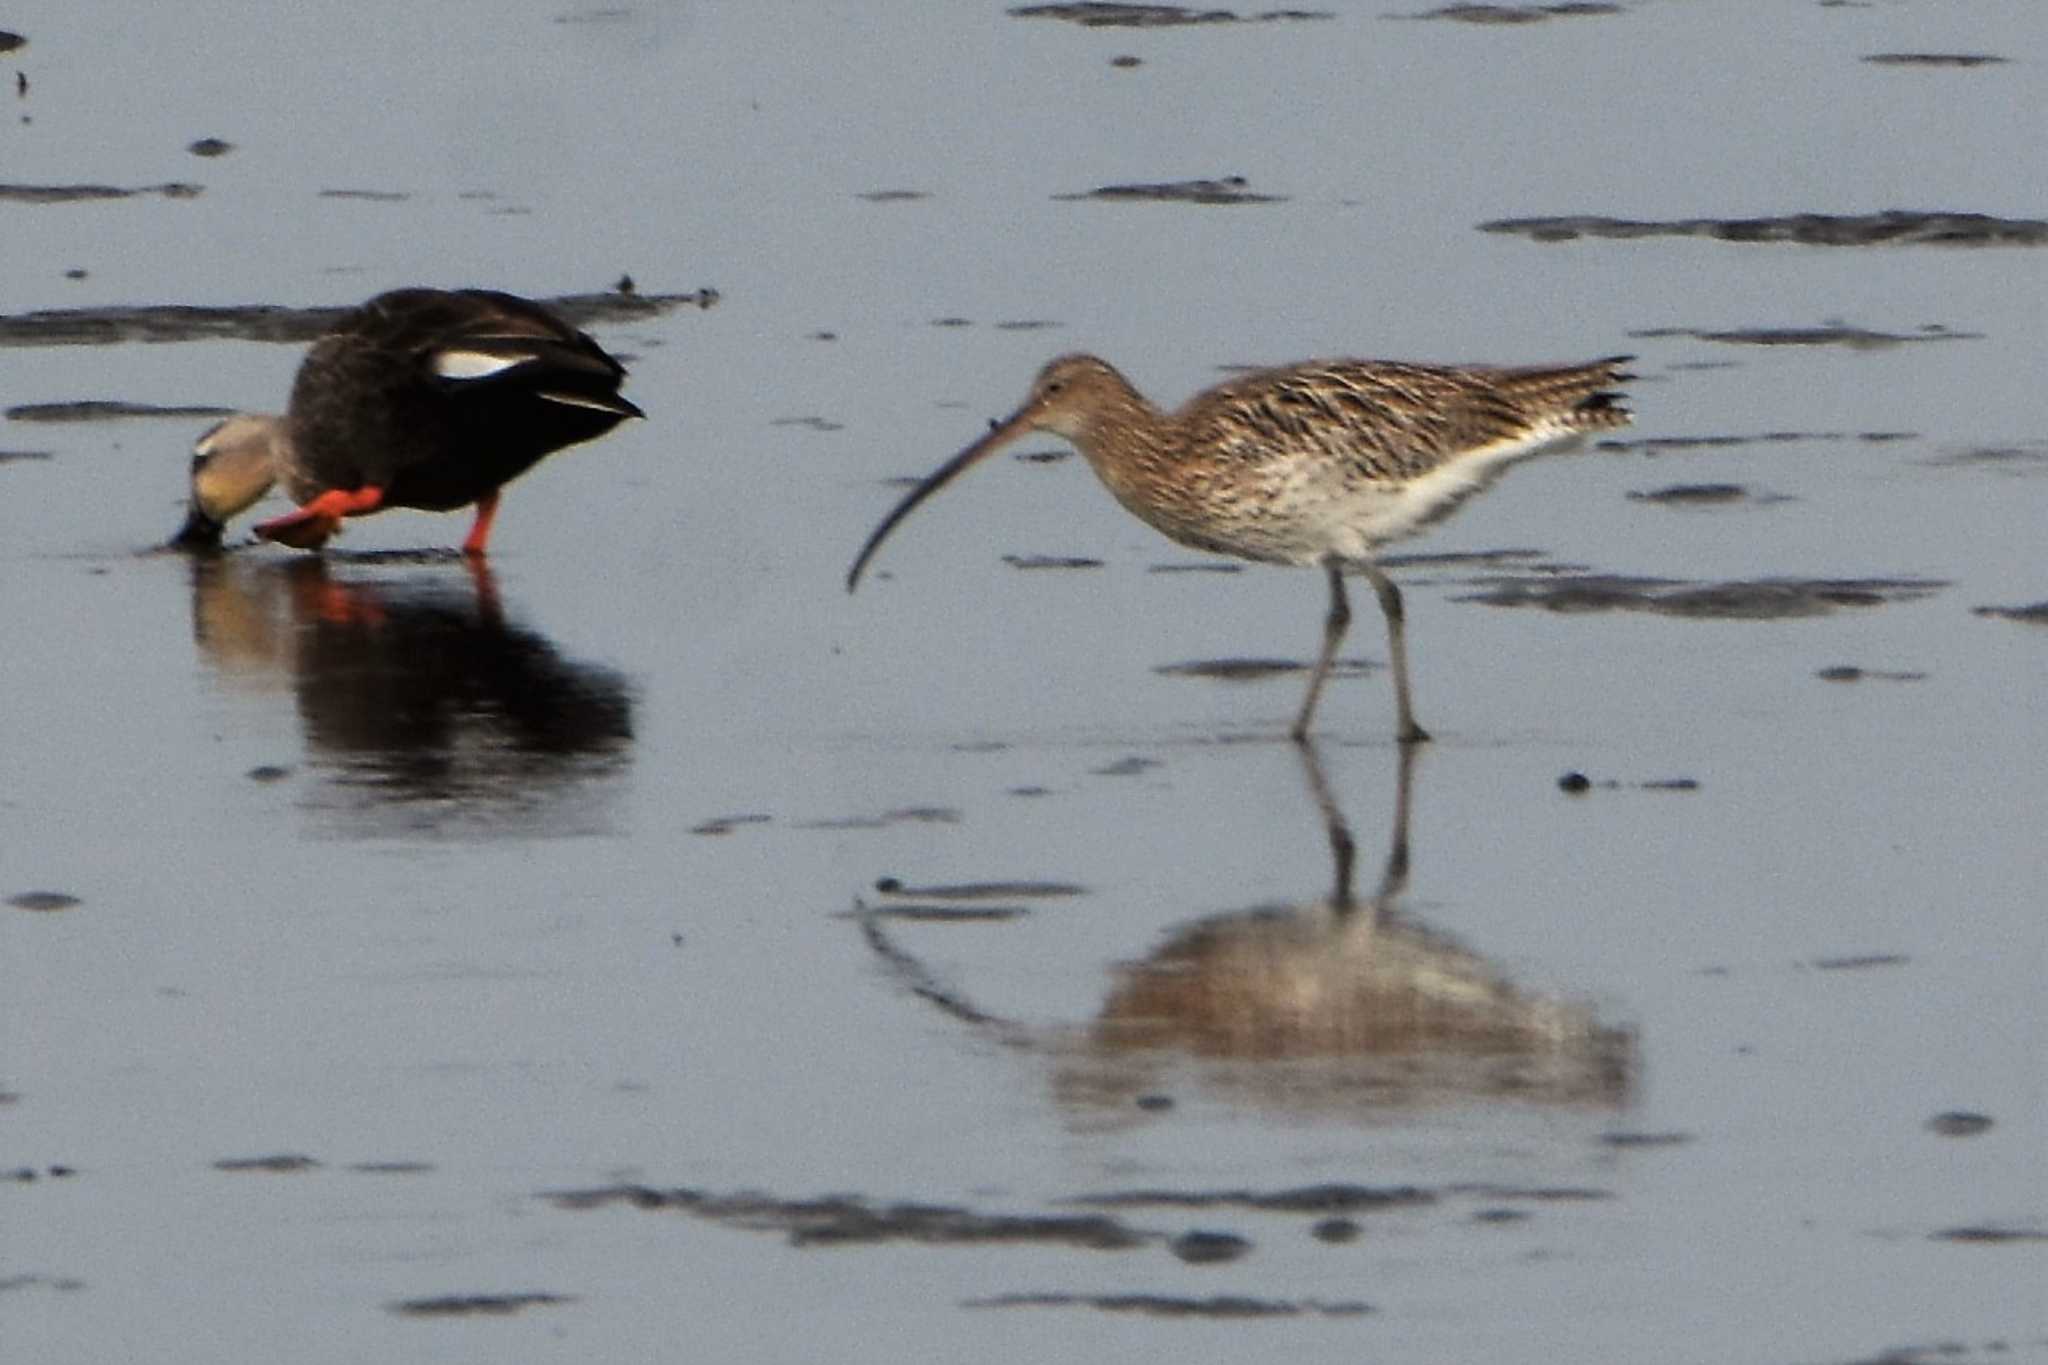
(637, 944)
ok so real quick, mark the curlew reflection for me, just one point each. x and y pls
(423, 709)
(1342, 1005)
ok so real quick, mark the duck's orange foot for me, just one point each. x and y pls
(313, 525)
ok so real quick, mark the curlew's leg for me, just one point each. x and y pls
(486, 511)
(1397, 650)
(310, 526)
(1333, 632)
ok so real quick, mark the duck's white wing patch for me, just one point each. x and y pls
(462, 364)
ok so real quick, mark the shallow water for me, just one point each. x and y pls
(405, 959)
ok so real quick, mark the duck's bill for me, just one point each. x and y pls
(200, 533)
(995, 439)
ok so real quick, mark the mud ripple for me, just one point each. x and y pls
(1325, 1200)
(1755, 599)
(106, 410)
(1702, 495)
(1179, 1306)
(281, 1163)
(892, 196)
(1672, 445)
(1832, 334)
(2033, 614)
(840, 1220)
(1103, 14)
(1985, 1234)
(72, 194)
(476, 1305)
(1051, 562)
(902, 815)
(1230, 189)
(2028, 458)
(1894, 227)
(1256, 670)
(23, 456)
(1513, 14)
(210, 146)
(1963, 59)
(1959, 1123)
(165, 322)
(44, 900)
(980, 891)
(1849, 673)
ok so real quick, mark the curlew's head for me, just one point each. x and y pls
(1068, 393)
(233, 465)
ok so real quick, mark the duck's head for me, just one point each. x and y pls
(233, 465)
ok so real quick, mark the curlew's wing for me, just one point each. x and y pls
(1394, 420)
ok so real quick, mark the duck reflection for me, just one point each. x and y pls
(422, 707)
(1343, 1005)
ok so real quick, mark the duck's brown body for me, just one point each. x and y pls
(422, 398)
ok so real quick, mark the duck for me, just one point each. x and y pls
(425, 398)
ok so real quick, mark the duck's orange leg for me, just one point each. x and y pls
(486, 511)
(310, 526)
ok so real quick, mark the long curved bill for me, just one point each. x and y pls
(993, 440)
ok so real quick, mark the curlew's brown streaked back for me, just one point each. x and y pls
(1319, 463)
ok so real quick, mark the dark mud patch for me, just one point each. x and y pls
(372, 196)
(1677, 445)
(1209, 1248)
(1894, 227)
(108, 410)
(1694, 495)
(166, 322)
(1196, 568)
(1756, 599)
(1179, 1306)
(726, 824)
(1533, 1194)
(1126, 767)
(2025, 459)
(893, 196)
(1028, 325)
(210, 147)
(980, 891)
(1850, 673)
(1230, 189)
(23, 456)
(902, 815)
(392, 1167)
(1959, 1123)
(1513, 14)
(844, 1220)
(808, 423)
(476, 1305)
(1634, 1139)
(1984, 1234)
(918, 913)
(63, 1284)
(1857, 962)
(2033, 614)
(29, 1175)
(1042, 456)
(1337, 1231)
(44, 901)
(1831, 334)
(282, 1163)
(1256, 670)
(610, 15)
(1321, 1200)
(1102, 14)
(1950, 59)
(1051, 562)
(72, 194)
(1461, 559)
